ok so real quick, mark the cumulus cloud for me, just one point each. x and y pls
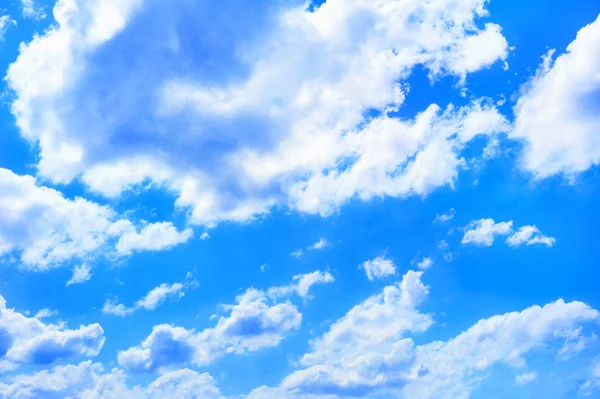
(368, 352)
(153, 237)
(302, 284)
(153, 299)
(49, 230)
(89, 380)
(322, 243)
(483, 232)
(530, 235)
(252, 324)
(81, 274)
(425, 263)
(26, 340)
(294, 82)
(557, 115)
(378, 268)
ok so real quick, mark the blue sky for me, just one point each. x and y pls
(285, 199)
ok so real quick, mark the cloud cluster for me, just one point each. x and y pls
(289, 122)
(48, 230)
(89, 380)
(251, 325)
(483, 232)
(28, 340)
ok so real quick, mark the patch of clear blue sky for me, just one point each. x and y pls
(479, 283)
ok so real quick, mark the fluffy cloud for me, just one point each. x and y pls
(27, 340)
(425, 263)
(89, 380)
(153, 299)
(294, 83)
(49, 230)
(557, 114)
(81, 274)
(350, 357)
(378, 268)
(482, 232)
(368, 352)
(302, 284)
(153, 237)
(251, 325)
(530, 235)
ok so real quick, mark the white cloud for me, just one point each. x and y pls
(153, 237)
(378, 268)
(5, 23)
(28, 340)
(89, 380)
(425, 263)
(557, 114)
(322, 243)
(297, 253)
(32, 10)
(81, 274)
(525, 378)
(367, 352)
(153, 299)
(482, 232)
(304, 90)
(592, 383)
(251, 325)
(49, 230)
(45, 313)
(445, 217)
(204, 236)
(302, 285)
(530, 235)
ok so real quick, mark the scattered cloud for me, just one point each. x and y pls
(525, 378)
(445, 217)
(91, 380)
(205, 236)
(425, 263)
(32, 10)
(5, 23)
(529, 235)
(482, 232)
(562, 97)
(322, 243)
(153, 299)
(81, 274)
(592, 383)
(251, 325)
(297, 253)
(378, 268)
(302, 284)
(45, 313)
(153, 237)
